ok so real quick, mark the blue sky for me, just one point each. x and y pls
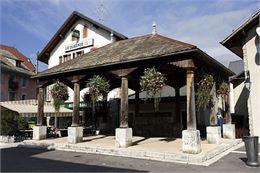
(29, 24)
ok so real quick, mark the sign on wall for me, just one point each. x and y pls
(80, 44)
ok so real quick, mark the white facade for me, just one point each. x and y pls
(252, 64)
(96, 37)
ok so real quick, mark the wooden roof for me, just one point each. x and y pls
(58, 36)
(135, 49)
(234, 41)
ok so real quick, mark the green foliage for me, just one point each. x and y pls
(22, 123)
(203, 92)
(153, 82)
(8, 122)
(59, 93)
(223, 89)
(98, 86)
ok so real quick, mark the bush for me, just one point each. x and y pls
(9, 124)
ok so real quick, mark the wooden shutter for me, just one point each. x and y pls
(85, 32)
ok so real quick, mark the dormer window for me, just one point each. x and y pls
(18, 63)
(75, 34)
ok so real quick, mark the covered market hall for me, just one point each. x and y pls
(122, 63)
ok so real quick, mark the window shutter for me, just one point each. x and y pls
(85, 32)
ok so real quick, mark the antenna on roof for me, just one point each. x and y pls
(154, 28)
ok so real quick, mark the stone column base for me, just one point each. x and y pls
(75, 134)
(124, 137)
(191, 141)
(39, 132)
(213, 134)
(229, 131)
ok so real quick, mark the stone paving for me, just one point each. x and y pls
(161, 149)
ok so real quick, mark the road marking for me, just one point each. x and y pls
(241, 152)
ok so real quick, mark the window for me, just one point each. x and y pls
(75, 35)
(23, 96)
(60, 60)
(18, 63)
(11, 96)
(24, 82)
(79, 53)
(85, 32)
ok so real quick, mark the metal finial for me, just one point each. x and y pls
(154, 28)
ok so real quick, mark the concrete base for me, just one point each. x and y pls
(229, 131)
(191, 142)
(39, 132)
(213, 134)
(124, 137)
(75, 134)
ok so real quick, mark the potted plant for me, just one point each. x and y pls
(152, 82)
(98, 89)
(59, 93)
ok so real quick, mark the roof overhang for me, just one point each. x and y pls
(234, 41)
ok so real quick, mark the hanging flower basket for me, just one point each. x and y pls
(98, 87)
(223, 89)
(153, 82)
(203, 92)
(59, 93)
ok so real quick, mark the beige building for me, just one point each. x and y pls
(244, 42)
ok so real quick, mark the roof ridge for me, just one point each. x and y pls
(175, 41)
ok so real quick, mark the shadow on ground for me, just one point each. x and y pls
(23, 160)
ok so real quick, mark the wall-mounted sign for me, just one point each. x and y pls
(80, 44)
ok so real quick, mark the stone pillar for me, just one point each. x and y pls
(124, 134)
(40, 106)
(75, 133)
(76, 100)
(191, 112)
(191, 142)
(213, 134)
(229, 131)
(124, 103)
(40, 131)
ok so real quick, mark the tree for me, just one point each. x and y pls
(9, 124)
(205, 96)
(59, 93)
(153, 82)
(98, 89)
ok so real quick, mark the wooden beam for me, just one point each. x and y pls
(191, 112)
(40, 114)
(187, 63)
(123, 72)
(75, 117)
(124, 103)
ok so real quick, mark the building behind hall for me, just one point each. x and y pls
(16, 71)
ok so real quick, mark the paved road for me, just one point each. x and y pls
(18, 159)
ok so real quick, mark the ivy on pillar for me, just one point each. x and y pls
(40, 131)
(75, 132)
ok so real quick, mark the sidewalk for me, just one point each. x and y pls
(161, 149)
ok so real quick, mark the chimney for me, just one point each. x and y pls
(154, 28)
